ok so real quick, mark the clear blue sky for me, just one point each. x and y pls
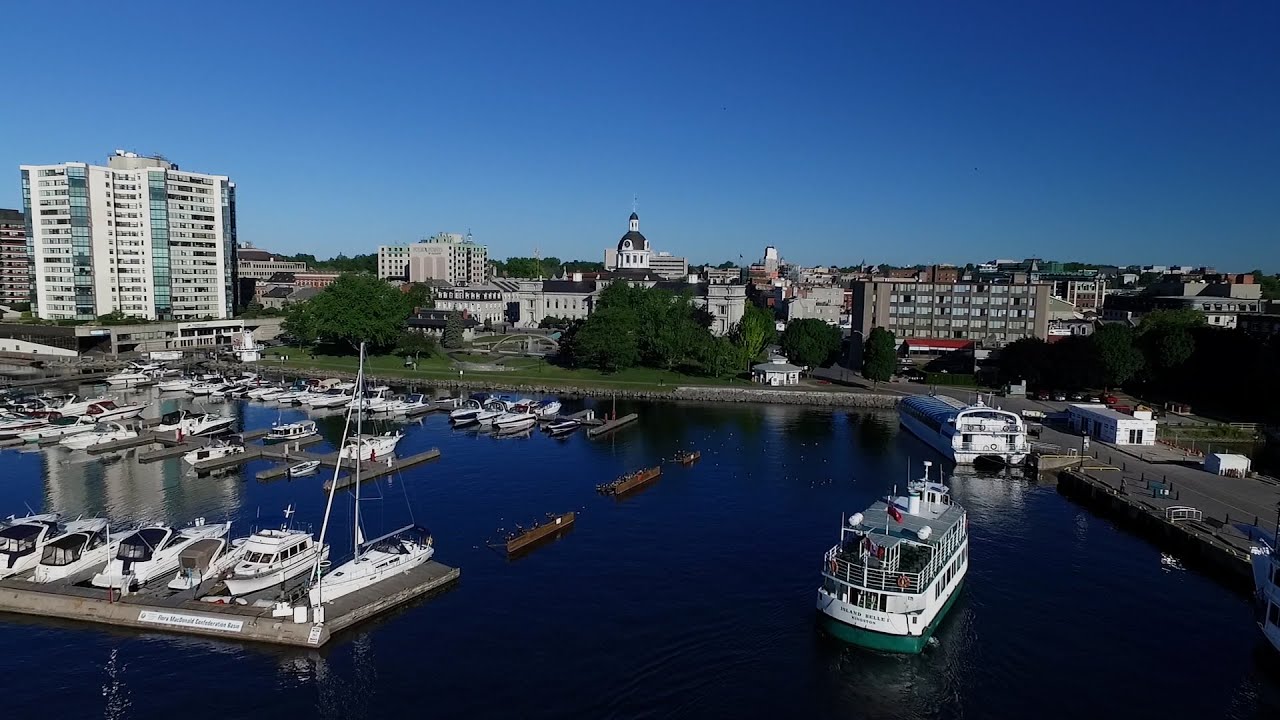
(900, 132)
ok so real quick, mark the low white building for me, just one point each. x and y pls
(1103, 423)
(776, 372)
(1227, 464)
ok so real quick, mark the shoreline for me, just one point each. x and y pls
(694, 393)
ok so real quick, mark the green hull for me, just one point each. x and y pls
(884, 642)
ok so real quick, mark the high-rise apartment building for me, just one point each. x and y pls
(140, 236)
(450, 257)
(15, 265)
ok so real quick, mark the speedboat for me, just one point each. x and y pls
(523, 425)
(127, 378)
(375, 561)
(153, 552)
(101, 433)
(107, 410)
(337, 397)
(304, 468)
(59, 428)
(408, 404)
(83, 545)
(204, 560)
(212, 452)
(12, 426)
(371, 447)
(194, 424)
(519, 416)
(272, 558)
(22, 540)
(548, 410)
(447, 403)
(206, 387)
(561, 428)
(65, 406)
(493, 410)
(291, 431)
(176, 385)
(374, 400)
(466, 412)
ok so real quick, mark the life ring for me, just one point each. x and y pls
(991, 447)
(903, 582)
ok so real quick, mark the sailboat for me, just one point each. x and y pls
(374, 560)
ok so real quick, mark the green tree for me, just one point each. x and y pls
(810, 342)
(608, 339)
(753, 332)
(1166, 339)
(1270, 285)
(551, 321)
(1025, 359)
(879, 355)
(721, 356)
(355, 308)
(452, 337)
(1119, 357)
(415, 344)
(420, 297)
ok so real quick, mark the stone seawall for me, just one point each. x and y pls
(831, 398)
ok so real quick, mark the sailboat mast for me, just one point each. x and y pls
(333, 486)
(357, 402)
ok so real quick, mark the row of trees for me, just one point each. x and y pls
(527, 267)
(649, 327)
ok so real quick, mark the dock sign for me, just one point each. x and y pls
(194, 622)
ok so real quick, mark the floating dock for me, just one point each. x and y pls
(178, 611)
(630, 482)
(528, 537)
(611, 425)
(374, 470)
(687, 457)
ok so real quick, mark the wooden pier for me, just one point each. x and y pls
(520, 542)
(686, 457)
(373, 470)
(631, 482)
(611, 425)
(161, 609)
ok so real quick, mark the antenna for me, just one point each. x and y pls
(634, 202)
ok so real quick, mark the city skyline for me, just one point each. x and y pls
(898, 135)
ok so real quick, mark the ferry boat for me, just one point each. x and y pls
(1266, 582)
(966, 433)
(896, 571)
(291, 431)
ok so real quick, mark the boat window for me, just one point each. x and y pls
(64, 550)
(140, 545)
(19, 538)
(175, 540)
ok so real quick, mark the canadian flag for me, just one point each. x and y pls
(894, 512)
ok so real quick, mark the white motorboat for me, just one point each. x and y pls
(206, 387)
(153, 552)
(256, 393)
(520, 416)
(371, 447)
(101, 433)
(83, 545)
(176, 385)
(205, 559)
(447, 403)
(374, 400)
(65, 406)
(127, 378)
(408, 404)
(563, 427)
(337, 397)
(291, 431)
(304, 468)
(466, 412)
(548, 410)
(512, 426)
(272, 558)
(22, 541)
(11, 427)
(372, 561)
(106, 411)
(60, 427)
(192, 424)
(493, 410)
(212, 452)
(272, 394)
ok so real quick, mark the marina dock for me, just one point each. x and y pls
(631, 481)
(174, 611)
(611, 425)
(528, 537)
(374, 470)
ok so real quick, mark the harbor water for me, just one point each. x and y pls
(693, 597)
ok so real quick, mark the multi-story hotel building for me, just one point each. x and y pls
(450, 257)
(990, 314)
(15, 264)
(139, 236)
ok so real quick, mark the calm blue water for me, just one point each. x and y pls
(693, 598)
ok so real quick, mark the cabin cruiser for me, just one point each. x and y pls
(257, 393)
(63, 406)
(272, 394)
(106, 410)
(176, 385)
(547, 410)
(101, 433)
(153, 552)
(205, 559)
(521, 416)
(561, 428)
(14, 425)
(493, 410)
(371, 447)
(466, 412)
(192, 424)
(127, 378)
(22, 540)
(205, 387)
(375, 399)
(273, 557)
(83, 545)
(212, 452)
(408, 404)
(291, 431)
(339, 396)
(59, 427)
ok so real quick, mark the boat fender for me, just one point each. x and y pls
(903, 582)
(834, 566)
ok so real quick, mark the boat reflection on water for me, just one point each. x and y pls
(868, 684)
(990, 496)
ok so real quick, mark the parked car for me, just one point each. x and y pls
(1077, 397)
(1060, 397)
(1108, 398)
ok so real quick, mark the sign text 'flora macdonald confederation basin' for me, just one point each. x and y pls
(196, 622)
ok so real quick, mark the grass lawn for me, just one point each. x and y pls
(527, 370)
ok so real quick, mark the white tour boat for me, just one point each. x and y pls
(212, 452)
(374, 560)
(83, 545)
(371, 447)
(896, 571)
(965, 433)
(291, 431)
(153, 552)
(23, 539)
(101, 433)
(272, 558)
(1266, 583)
(205, 559)
(106, 410)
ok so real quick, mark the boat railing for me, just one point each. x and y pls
(981, 428)
(862, 575)
(995, 447)
(1182, 512)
